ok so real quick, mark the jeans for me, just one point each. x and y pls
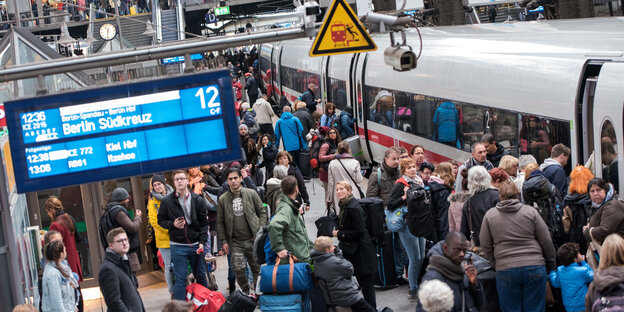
(400, 256)
(415, 249)
(166, 255)
(180, 255)
(522, 288)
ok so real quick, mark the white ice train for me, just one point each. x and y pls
(530, 84)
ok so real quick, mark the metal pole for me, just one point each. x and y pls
(142, 54)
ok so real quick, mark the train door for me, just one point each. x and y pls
(276, 58)
(584, 113)
(361, 109)
(607, 119)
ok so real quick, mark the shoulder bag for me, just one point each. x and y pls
(350, 177)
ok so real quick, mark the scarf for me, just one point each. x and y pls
(343, 203)
(159, 196)
(416, 180)
(447, 268)
(67, 273)
(607, 198)
(392, 172)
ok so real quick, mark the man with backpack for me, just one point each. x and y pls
(116, 215)
(553, 168)
(346, 122)
(543, 195)
(289, 129)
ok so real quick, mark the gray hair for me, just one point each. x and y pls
(436, 296)
(280, 171)
(524, 160)
(479, 179)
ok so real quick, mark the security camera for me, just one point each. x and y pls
(399, 58)
(307, 15)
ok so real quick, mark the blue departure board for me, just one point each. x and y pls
(123, 130)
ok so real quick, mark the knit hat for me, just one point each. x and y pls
(158, 178)
(119, 194)
(243, 126)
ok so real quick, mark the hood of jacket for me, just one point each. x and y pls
(436, 249)
(509, 205)
(318, 256)
(435, 182)
(609, 276)
(286, 115)
(536, 186)
(549, 162)
(577, 199)
(447, 105)
(273, 182)
(459, 197)
(344, 112)
(112, 204)
(159, 196)
(260, 101)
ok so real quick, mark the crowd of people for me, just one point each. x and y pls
(494, 233)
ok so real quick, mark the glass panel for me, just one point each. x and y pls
(71, 197)
(336, 93)
(539, 134)
(608, 149)
(381, 103)
(504, 126)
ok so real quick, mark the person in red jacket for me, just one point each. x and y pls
(64, 224)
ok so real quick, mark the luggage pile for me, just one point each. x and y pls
(284, 287)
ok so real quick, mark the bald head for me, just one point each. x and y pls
(286, 109)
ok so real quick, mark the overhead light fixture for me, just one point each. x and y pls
(90, 40)
(65, 40)
(149, 30)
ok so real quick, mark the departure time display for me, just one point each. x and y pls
(122, 131)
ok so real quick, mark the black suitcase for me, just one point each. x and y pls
(386, 276)
(238, 302)
(304, 164)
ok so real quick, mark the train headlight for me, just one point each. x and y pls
(399, 58)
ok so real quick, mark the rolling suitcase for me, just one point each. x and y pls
(386, 276)
(284, 303)
(239, 302)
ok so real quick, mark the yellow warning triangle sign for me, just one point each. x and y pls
(341, 32)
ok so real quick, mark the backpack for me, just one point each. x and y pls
(610, 299)
(317, 140)
(250, 121)
(106, 224)
(420, 218)
(544, 197)
(375, 218)
(258, 248)
(301, 96)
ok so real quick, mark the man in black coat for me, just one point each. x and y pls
(252, 89)
(495, 151)
(117, 283)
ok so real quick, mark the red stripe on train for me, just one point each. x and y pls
(388, 141)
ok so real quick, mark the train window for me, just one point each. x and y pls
(608, 150)
(539, 134)
(312, 78)
(265, 64)
(504, 127)
(381, 103)
(336, 92)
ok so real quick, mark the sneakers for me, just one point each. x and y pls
(402, 281)
(413, 295)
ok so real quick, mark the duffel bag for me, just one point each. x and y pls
(287, 278)
(239, 302)
(284, 303)
(204, 299)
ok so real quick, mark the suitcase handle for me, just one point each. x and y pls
(291, 271)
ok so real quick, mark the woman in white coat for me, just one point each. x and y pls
(343, 168)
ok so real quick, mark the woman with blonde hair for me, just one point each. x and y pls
(610, 273)
(354, 240)
(577, 206)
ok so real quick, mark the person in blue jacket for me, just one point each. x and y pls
(573, 277)
(346, 121)
(290, 130)
(446, 120)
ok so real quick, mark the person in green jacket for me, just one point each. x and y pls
(287, 230)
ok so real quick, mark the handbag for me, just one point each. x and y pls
(326, 224)
(287, 278)
(395, 219)
(350, 177)
(593, 252)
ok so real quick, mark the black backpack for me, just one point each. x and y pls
(106, 224)
(542, 195)
(420, 219)
(258, 248)
(375, 218)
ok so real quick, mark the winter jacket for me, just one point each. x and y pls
(472, 295)
(239, 90)
(269, 154)
(498, 155)
(554, 172)
(118, 285)
(290, 130)
(383, 189)
(514, 235)
(329, 121)
(603, 280)
(264, 111)
(396, 194)
(579, 206)
(337, 173)
(248, 183)
(288, 231)
(326, 154)
(69, 240)
(352, 230)
(196, 231)
(121, 218)
(479, 203)
(335, 277)
(455, 210)
(273, 193)
(252, 206)
(573, 280)
(57, 293)
(608, 219)
(446, 120)
(153, 205)
(251, 85)
(306, 120)
(346, 125)
(248, 118)
(310, 100)
(294, 171)
(469, 164)
(440, 204)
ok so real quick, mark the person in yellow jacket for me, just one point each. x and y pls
(160, 189)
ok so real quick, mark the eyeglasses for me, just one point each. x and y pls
(121, 241)
(179, 179)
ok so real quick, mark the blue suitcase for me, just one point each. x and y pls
(284, 303)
